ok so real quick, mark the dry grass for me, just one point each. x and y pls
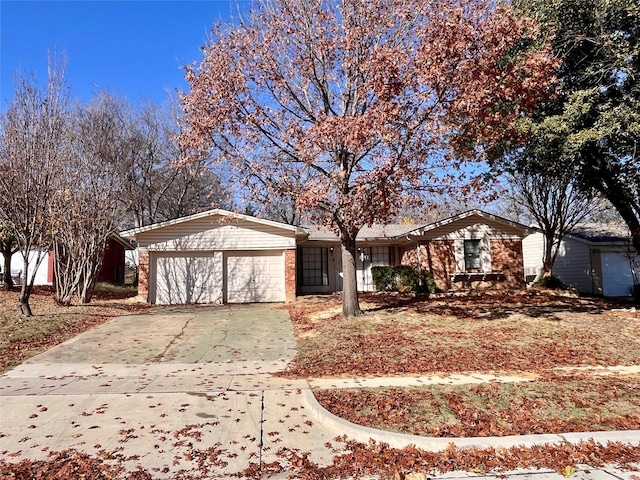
(530, 332)
(401, 335)
(22, 337)
(563, 405)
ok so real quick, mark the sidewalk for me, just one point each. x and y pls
(164, 416)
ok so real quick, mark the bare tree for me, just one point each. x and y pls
(157, 187)
(555, 203)
(33, 144)
(87, 208)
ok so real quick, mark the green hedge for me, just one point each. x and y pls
(402, 278)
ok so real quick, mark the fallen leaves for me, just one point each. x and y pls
(23, 338)
(404, 335)
(562, 405)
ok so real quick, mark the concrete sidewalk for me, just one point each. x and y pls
(193, 390)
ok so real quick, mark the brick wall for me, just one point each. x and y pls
(442, 262)
(506, 257)
(436, 256)
(290, 275)
(143, 276)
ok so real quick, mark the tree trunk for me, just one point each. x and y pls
(25, 308)
(6, 270)
(350, 304)
(27, 286)
(548, 257)
(621, 196)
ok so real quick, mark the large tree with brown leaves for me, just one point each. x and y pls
(350, 106)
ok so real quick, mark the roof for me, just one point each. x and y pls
(373, 232)
(211, 213)
(398, 231)
(122, 241)
(601, 232)
(482, 217)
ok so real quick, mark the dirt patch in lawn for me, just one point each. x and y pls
(404, 335)
(23, 337)
(493, 409)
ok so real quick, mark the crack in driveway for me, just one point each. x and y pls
(161, 357)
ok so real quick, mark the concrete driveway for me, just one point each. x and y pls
(161, 388)
(258, 335)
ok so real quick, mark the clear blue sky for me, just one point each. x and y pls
(132, 48)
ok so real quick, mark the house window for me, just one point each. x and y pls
(472, 259)
(315, 266)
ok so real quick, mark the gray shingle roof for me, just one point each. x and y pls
(374, 232)
(601, 232)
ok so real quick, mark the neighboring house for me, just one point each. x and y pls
(42, 273)
(593, 258)
(112, 270)
(223, 257)
(113, 264)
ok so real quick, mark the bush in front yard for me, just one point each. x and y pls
(402, 278)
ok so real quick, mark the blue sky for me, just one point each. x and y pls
(132, 48)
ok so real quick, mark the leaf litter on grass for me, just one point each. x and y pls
(406, 335)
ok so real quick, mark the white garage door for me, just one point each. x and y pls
(255, 277)
(188, 278)
(617, 280)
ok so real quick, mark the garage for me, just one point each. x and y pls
(216, 256)
(617, 279)
(193, 277)
(255, 277)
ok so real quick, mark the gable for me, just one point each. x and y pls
(215, 232)
(474, 224)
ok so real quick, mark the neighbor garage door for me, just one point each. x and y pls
(255, 277)
(617, 280)
(188, 278)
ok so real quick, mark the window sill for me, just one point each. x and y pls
(478, 277)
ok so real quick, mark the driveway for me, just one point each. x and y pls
(161, 388)
(256, 334)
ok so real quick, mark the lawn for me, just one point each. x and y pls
(536, 333)
(401, 335)
(22, 338)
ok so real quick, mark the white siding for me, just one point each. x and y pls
(472, 228)
(572, 265)
(532, 252)
(212, 233)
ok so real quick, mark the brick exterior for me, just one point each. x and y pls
(143, 276)
(290, 275)
(441, 262)
(506, 257)
(436, 256)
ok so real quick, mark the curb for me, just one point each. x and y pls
(436, 444)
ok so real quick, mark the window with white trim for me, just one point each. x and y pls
(472, 259)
